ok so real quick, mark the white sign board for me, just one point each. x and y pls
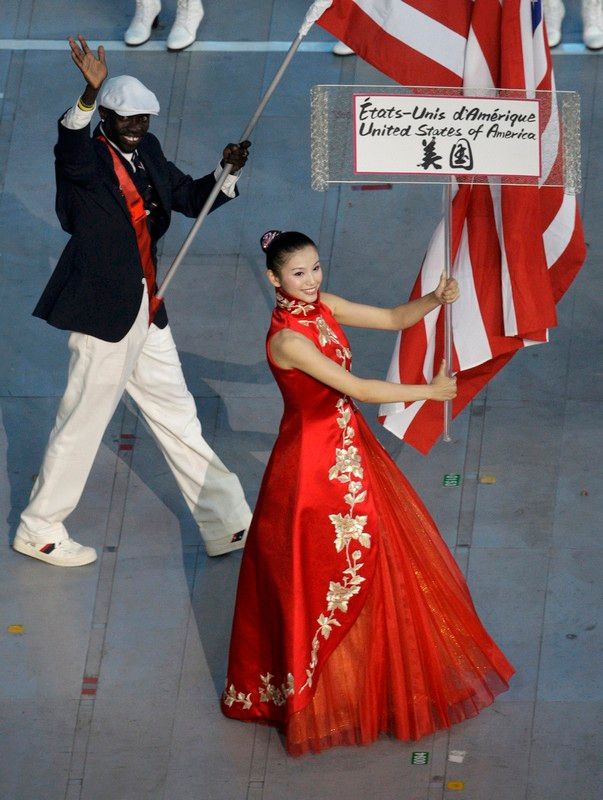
(416, 134)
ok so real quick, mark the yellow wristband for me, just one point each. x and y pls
(83, 107)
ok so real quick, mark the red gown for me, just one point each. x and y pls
(352, 617)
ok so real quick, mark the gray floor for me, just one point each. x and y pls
(109, 681)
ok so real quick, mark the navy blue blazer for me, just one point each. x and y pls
(96, 287)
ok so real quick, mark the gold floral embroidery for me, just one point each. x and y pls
(268, 693)
(231, 696)
(274, 694)
(295, 307)
(349, 528)
(325, 335)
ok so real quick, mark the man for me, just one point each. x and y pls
(115, 194)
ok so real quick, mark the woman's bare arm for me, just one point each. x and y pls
(291, 350)
(402, 316)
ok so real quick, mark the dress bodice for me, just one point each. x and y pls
(302, 393)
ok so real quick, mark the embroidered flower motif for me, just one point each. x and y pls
(295, 307)
(349, 527)
(267, 692)
(231, 696)
(325, 335)
(345, 356)
(347, 460)
(326, 624)
(274, 694)
(339, 596)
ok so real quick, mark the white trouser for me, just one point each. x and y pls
(145, 364)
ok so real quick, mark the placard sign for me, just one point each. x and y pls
(404, 134)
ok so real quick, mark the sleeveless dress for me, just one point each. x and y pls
(352, 617)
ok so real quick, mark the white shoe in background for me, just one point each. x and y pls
(592, 24)
(341, 49)
(143, 21)
(554, 11)
(184, 30)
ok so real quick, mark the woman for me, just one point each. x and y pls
(352, 617)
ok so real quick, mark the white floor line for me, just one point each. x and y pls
(204, 47)
(217, 46)
(574, 49)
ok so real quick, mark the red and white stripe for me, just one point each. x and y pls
(406, 40)
(516, 249)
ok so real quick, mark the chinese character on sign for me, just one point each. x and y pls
(461, 156)
(430, 157)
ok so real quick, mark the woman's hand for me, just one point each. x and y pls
(92, 67)
(444, 388)
(447, 290)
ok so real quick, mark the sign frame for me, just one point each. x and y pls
(443, 100)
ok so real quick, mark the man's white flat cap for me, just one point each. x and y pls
(127, 96)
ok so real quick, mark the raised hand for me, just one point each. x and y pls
(447, 290)
(236, 154)
(93, 67)
(444, 388)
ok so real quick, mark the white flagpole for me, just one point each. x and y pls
(315, 11)
(448, 306)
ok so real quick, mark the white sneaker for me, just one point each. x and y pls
(554, 11)
(341, 49)
(227, 545)
(65, 553)
(143, 21)
(189, 14)
(592, 21)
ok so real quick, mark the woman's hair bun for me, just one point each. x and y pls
(268, 238)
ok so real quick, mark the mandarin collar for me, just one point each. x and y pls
(296, 307)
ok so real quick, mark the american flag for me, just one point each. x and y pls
(515, 249)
